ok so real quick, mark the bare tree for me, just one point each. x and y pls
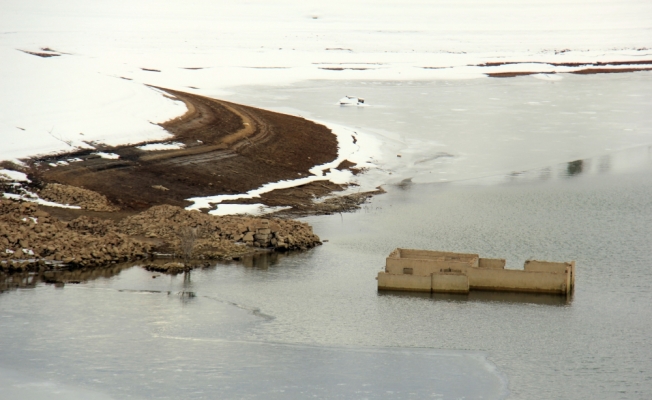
(188, 241)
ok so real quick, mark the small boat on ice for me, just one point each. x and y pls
(351, 101)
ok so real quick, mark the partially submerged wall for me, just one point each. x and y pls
(423, 267)
(518, 281)
(492, 263)
(446, 282)
(435, 271)
(449, 282)
(548, 266)
(426, 262)
(431, 254)
(409, 283)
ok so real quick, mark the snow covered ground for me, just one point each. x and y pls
(75, 73)
(93, 90)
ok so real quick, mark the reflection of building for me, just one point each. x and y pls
(29, 280)
(438, 271)
(575, 167)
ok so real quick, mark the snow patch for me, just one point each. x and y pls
(111, 156)
(31, 197)
(161, 146)
(249, 209)
(16, 176)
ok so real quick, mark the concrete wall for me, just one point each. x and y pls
(423, 267)
(492, 263)
(432, 255)
(449, 282)
(411, 283)
(471, 278)
(547, 266)
(395, 254)
(424, 270)
(519, 281)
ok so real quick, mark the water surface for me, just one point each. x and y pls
(313, 323)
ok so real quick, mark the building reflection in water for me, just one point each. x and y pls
(575, 168)
(489, 296)
(604, 164)
(29, 280)
(262, 260)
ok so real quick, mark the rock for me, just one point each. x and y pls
(168, 268)
(41, 214)
(84, 198)
(93, 241)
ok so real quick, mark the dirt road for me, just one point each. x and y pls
(229, 148)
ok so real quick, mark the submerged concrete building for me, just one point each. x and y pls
(439, 271)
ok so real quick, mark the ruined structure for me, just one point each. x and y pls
(438, 271)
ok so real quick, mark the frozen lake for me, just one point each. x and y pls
(514, 168)
(462, 129)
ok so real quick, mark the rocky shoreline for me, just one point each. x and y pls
(33, 240)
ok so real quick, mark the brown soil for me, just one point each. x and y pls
(589, 71)
(598, 67)
(344, 68)
(71, 195)
(230, 148)
(303, 199)
(39, 54)
(567, 64)
(513, 74)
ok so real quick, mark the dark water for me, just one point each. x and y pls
(313, 324)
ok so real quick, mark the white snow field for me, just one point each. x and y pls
(107, 50)
(75, 73)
